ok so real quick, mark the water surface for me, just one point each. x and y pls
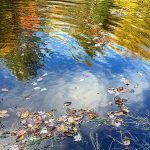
(55, 39)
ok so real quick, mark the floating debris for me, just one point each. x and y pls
(34, 83)
(28, 97)
(36, 88)
(126, 82)
(77, 138)
(39, 79)
(43, 89)
(81, 79)
(3, 113)
(126, 141)
(24, 115)
(67, 103)
(119, 90)
(92, 115)
(4, 90)
(45, 74)
(14, 147)
(116, 122)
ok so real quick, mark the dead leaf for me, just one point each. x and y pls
(20, 134)
(118, 113)
(67, 103)
(126, 82)
(68, 133)
(126, 141)
(62, 128)
(4, 90)
(77, 138)
(24, 114)
(118, 101)
(92, 115)
(124, 110)
(3, 113)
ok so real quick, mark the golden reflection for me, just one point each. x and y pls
(133, 31)
(128, 22)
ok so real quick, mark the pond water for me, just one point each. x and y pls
(49, 54)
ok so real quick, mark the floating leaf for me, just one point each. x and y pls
(124, 110)
(81, 79)
(126, 141)
(14, 147)
(68, 133)
(67, 103)
(118, 113)
(92, 115)
(3, 113)
(118, 101)
(44, 131)
(126, 82)
(24, 114)
(20, 134)
(37, 88)
(111, 116)
(71, 120)
(62, 128)
(77, 138)
(34, 83)
(4, 90)
(43, 89)
(116, 122)
(39, 79)
(45, 74)
(119, 89)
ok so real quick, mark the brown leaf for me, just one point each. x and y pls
(92, 115)
(70, 111)
(118, 101)
(67, 103)
(20, 134)
(3, 113)
(118, 113)
(62, 128)
(125, 110)
(24, 114)
(126, 141)
(68, 133)
(126, 82)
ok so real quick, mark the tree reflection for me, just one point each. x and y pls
(81, 20)
(18, 48)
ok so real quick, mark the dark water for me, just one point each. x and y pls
(55, 38)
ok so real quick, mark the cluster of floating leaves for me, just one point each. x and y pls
(42, 125)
